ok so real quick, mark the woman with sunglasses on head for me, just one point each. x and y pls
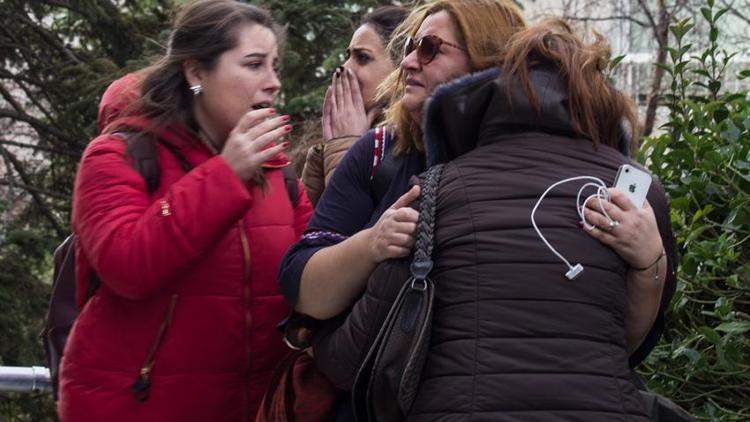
(182, 214)
(515, 335)
(350, 107)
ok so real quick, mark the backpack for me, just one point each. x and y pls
(62, 309)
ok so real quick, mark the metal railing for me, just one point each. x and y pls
(25, 379)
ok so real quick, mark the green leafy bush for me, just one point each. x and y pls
(703, 159)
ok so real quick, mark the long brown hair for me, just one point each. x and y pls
(597, 109)
(384, 20)
(202, 31)
(484, 27)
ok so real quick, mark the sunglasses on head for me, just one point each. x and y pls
(427, 47)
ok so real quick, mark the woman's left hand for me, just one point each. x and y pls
(633, 234)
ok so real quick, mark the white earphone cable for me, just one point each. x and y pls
(601, 195)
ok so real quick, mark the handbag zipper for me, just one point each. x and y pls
(246, 289)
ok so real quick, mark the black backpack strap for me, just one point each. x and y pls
(146, 158)
(292, 187)
(184, 163)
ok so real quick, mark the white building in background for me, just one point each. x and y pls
(617, 21)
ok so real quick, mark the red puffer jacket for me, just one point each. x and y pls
(189, 297)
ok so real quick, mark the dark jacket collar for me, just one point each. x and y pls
(474, 110)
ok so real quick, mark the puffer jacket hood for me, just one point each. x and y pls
(471, 111)
(116, 98)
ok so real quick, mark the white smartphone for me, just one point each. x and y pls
(633, 182)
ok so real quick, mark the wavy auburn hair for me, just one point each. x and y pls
(483, 28)
(598, 110)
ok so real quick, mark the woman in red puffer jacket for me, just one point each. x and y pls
(182, 324)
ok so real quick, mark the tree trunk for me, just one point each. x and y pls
(661, 31)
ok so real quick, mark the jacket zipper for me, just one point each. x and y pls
(246, 288)
(142, 383)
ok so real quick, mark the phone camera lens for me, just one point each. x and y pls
(627, 170)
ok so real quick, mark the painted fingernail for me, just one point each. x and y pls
(285, 144)
(285, 118)
(288, 128)
(271, 110)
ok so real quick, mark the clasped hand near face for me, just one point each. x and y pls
(344, 111)
(632, 232)
(247, 146)
(393, 234)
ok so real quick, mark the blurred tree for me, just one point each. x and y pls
(58, 56)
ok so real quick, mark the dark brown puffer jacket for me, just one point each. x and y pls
(512, 339)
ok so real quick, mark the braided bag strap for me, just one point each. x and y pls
(422, 263)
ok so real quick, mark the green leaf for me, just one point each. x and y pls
(667, 68)
(693, 355)
(734, 327)
(720, 13)
(721, 113)
(616, 61)
(710, 335)
(673, 54)
(723, 307)
(731, 133)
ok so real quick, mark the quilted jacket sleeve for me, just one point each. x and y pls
(312, 173)
(138, 245)
(333, 152)
(303, 212)
(340, 352)
(321, 162)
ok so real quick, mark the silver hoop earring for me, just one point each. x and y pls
(197, 89)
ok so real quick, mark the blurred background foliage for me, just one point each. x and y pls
(703, 159)
(59, 55)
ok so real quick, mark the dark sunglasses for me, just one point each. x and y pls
(427, 47)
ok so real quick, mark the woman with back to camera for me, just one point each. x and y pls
(350, 107)
(182, 324)
(513, 338)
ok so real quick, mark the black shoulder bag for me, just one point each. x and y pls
(387, 381)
